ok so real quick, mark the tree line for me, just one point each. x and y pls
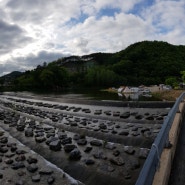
(146, 62)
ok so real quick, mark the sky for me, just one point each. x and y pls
(36, 31)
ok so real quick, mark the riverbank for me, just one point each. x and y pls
(171, 95)
(165, 95)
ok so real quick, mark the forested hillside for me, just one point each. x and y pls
(147, 62)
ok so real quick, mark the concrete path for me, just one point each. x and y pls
(177, 176)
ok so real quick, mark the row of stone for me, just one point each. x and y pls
(55, 138)
(11, 156)
(84, 150)
(124, 115)
(94, 125)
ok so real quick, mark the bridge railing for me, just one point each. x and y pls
(153, 160)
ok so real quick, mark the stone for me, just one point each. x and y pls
(9, 154)
(67, 140)
(82, 142)
(87, 111)
(1, 175)
(20, 152)
(19, 182)
(29, 132)
(76, 136)
(116, 114)
(69, 147)
(117, 161)
(88, 149)
(110, 146)
(139, 116)
(96, 142)
(75, 154)
(143, 153)
(125, 115)
(98, 112)
(148, 134)
(149, 117)
(99, 155)
(17, 165)
(135, 133)
(45, 171)
(20, 157)
(39, 134)
(50, 134)
(129, 150)
(51, 180)
(1, 133)
(36, 178)
(108, 113)
(134, 129)
(3, 149)
(20, 127)
(62, 135)
(8, 161)
(144, 130)
(116, 153)
(40, 139)
(51, 139)
(4, 139)
(14, 124)
(134, 163)
(107, 168)
(31, 160)
(127, 175)
(84, 123)
(89, 161)
(159, 118)
(13, 148)
(32, 168)
(55, 145)
(102, 126)
(114, 132)
(124, 133)
(117, 126)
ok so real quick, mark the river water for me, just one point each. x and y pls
(84, 94)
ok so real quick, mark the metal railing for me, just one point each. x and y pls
(153, 160)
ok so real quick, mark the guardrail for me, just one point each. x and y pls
(153, 160)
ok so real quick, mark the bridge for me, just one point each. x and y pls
(165, 164)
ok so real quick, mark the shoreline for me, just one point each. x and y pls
(113, 103)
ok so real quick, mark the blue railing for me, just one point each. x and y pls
(152, 162)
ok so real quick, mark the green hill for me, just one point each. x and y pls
(146, 62)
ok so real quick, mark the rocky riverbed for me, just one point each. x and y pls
(90, 143)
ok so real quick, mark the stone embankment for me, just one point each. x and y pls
(93, 144)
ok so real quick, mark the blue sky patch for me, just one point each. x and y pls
(110, 12)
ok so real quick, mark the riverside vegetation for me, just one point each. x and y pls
(146, 62)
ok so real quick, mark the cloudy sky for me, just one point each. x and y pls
(34, 31)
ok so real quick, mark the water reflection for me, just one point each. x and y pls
(86, 94)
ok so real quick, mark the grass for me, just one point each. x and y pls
(171, 95)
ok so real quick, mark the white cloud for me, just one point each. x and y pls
(167, 17)
(27, 28)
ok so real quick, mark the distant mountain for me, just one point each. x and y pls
(146, 62)
(13, 74)
(9, 78)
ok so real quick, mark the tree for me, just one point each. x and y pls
(172, 81)
(47, 78)
(183, 76)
